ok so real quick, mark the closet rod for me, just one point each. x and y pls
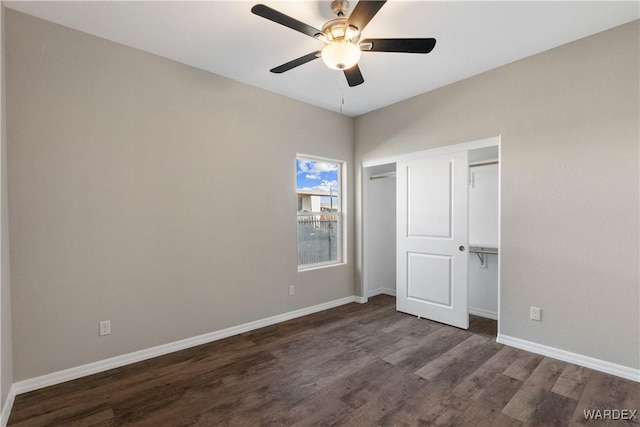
(475, 165)
(383, 175)
(483, 251)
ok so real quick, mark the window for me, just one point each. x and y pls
(320, 221)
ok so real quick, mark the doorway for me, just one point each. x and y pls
(380, 222)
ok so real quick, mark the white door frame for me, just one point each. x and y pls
(445, 149)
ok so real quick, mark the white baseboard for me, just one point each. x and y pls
(361, 300)
(7, 406)
(137, 356)
(483, 313)
(381, 291)
(575, 358)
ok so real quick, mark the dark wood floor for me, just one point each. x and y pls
(355, 365)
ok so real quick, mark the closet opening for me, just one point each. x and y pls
(380, 252)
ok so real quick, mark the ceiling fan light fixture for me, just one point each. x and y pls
(337, 32)
(341, 55)
(351, 33)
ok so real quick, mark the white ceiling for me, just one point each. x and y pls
(224, 37)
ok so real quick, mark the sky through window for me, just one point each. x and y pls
(317, 175)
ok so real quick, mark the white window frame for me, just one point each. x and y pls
(341, 258)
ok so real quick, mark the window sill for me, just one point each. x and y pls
(320, 266)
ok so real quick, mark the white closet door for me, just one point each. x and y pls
(432, 238)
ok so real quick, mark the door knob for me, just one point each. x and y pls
(461, 248)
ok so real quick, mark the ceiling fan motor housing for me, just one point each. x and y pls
(338, 29)
(340, 7)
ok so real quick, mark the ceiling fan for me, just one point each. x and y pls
(341, 36)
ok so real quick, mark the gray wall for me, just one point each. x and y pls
(156, 195)
(6, 347)
(569, 120)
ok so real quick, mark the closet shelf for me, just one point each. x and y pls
(482, 252)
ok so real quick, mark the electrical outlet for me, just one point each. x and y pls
(292, 290)
(105, 327)
(536, 313)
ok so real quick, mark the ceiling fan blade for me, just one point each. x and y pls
(364, 11)
(354, 76)
(296, 62)
(398, 45)
(282, 19)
